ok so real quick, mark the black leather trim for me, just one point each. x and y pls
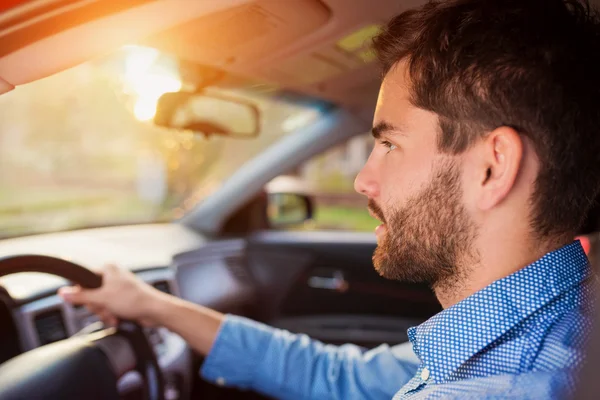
(50, 265)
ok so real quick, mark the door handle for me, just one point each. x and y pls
(336, 282)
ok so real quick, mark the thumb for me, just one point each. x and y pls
(76, 295)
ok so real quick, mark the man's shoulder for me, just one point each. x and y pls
(563, 339)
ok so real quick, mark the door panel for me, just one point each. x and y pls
(324, 284)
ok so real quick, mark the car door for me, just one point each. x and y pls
(323, 284)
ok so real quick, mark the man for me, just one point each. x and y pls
(484, 166)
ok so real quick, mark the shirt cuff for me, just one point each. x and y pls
(236, 352)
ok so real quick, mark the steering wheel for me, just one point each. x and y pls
(81, 367)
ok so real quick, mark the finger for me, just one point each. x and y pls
(110, 270)
(146, 323)
(94, 309)
(111, 267)
(71, 294)
(113, 321)
(108, 318)
(77, 295)
(110, 273)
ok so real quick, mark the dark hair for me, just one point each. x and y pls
(533, 65)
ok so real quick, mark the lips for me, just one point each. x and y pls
(376, 211)
(380, 230)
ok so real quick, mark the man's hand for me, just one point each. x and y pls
(122, 295)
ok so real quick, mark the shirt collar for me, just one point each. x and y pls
(451, 337)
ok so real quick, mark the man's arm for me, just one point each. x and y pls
(250, 355)
(197, 325)
(246, 354)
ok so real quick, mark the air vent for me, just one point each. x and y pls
(235, 265)
(50, 327)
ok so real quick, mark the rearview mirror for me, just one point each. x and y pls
(208, 114)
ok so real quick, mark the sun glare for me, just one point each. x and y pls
(148, 80)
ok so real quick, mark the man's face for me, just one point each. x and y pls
(415, 191)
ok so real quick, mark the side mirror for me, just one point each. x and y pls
(287, 209)
(208, 114)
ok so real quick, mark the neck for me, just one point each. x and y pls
(501, 257)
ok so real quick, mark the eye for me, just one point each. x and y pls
(389, 145)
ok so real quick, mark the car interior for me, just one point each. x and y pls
(224, 252)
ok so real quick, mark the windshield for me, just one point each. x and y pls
(77, 150)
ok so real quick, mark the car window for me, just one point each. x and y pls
(328, 179)
(77, 150)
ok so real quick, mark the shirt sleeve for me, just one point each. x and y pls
(250, 355)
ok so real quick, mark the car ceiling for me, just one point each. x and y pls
(291, 44)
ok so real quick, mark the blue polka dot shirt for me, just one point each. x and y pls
(521, 337)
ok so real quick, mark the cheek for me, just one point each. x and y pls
(402, 178)
(393, 189)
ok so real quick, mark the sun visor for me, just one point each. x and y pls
(244, 34)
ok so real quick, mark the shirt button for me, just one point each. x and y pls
(425, 374)
(221, 381)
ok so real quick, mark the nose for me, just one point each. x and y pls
(366, 181)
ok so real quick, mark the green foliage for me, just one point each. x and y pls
(339, 218)
(334, 182)
(344, 218)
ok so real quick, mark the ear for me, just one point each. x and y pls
(502, 153)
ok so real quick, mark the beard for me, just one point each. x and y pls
(430, 236)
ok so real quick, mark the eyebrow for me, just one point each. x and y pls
(381, 128)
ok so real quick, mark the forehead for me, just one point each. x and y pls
(395, 108)
(394, 93)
